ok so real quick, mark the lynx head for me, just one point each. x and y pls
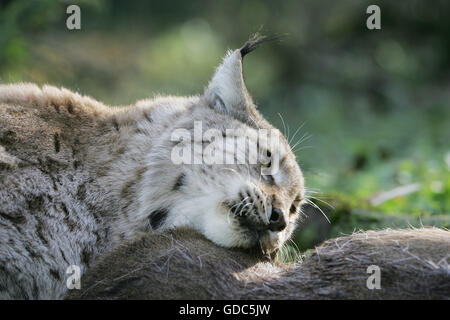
(231, 175)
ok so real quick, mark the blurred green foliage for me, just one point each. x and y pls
(376, 103)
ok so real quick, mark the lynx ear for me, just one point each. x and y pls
(227, 92)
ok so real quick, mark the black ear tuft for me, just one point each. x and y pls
(255, 40)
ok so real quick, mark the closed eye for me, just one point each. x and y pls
(269, 157)
(267, 165)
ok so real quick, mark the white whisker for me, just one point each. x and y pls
(295, 133)
(303, 138)
(318, 208)
(284, 125)
(323, 201)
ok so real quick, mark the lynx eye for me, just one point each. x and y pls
(268, 177)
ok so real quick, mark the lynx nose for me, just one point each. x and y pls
(277, 221)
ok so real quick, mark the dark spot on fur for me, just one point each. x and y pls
(40, 233)
(116, 124)
(147, 117)
(7, 137)
(71, 224)
(64, 208)
(97, 236)
(157, 217)
(76, 164)
(76, 143)
(4, 166)
(179, 182)
(55, 106)
(55, 274)
(14, 219)
(51, 165)
(125, 208)
(36, 203)
(103, 171)
(86, 257)
(55, 185)
(81, 192)
(63, 255)
(120, 150)
(126, 190)
(57, 143)
(31, 251)
(140, 172)
(70, 107)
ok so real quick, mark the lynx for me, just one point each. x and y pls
(78, 178)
